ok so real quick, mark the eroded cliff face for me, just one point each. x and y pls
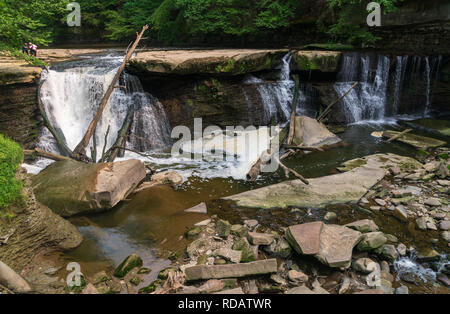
(19, 113)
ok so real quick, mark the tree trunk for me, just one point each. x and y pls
(115, 149)
(80, 151)
(293, 110)
(327, 110)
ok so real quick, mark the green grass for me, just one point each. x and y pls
(17, 53)
(11, 156)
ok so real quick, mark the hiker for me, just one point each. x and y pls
(25, 48)
(33, 49)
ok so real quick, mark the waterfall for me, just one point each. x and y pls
(72, 92)
(379, 93)
(276, 96)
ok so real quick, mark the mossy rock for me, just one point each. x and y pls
(152, 287)
(135, 280)
(127, 265)
(144, 270)
(223, 228)
(193, 233)
(76, 289)
(239, 230)
(247, 252)
(164, 274)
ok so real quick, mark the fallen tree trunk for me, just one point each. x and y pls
(56, 132)
(293, 110)
(43, 153)
(307, 148)
(116, 149)
(79, 152)
(398, 135)
(295, 173)
(327, 110)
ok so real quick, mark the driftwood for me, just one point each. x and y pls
(263, 160)
(288, 170)
(104, 144)
(398, 135)
(293, 110)
(56, 132)
(43, 153)
(306, 148)
(79, 152)
(327, 110)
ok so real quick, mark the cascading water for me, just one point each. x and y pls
(379, 93)
(71, 93)
(275, 96)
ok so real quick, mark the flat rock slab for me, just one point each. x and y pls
(420, 142)
(324, 61)
(216, 61)
(200, 208)
(339, 188)
(438, 126)
(305, 238)
(70, 188)
(201, 272)
(336, 245)
(15, 71)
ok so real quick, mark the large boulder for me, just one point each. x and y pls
(70, 188)
(330, 244)
(310, 132)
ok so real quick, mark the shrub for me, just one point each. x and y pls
(11, 155)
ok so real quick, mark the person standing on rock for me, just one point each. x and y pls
(34, 50)
(25, 48)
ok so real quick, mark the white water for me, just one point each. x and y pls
(371, 100)
(72, 92)
(409, 265)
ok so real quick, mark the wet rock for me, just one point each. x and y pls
(233, 256)
(443, 279)
(345, 285)
(152, 287)
(239, 230)
(100, 277)
(200, 209)
(391, 238)
(171, 178)
(195, 247)
(247, 253)
(336, 245)
(401, 249)
(446, 235)
(364, 226)
(375, 208)
(203, 223)
(199, 272)
(402, 290)
(300, 290)
(330, 217)
(364, 265)
(231, 291)
(443, 171)
(421, 223)
(371, 291)
(193, 233)
(401, 193)
(380, 202)
(305, 238)
(13, 281)
(387, 251)
(428, 255)
(420, 142)
(90, 289)
(71, 188)
(371, 241)
(432, 201)
(164, 274)
(276, 278)
(260, 238)
(223, 228)
(128, 264)
(395, 171)
(280, 249)
(400, 213)
(444, 225)
(135, 281)
(443, 182)
(385, 266)
(431, 166)
(211, 286)
(251, 223)
(297, 276)
(252, 288)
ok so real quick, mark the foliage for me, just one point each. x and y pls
(352, 15)
(11, 155)
(29, 20)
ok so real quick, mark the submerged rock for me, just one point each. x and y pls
(70, 188)
(128, 264)
(420, 142)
